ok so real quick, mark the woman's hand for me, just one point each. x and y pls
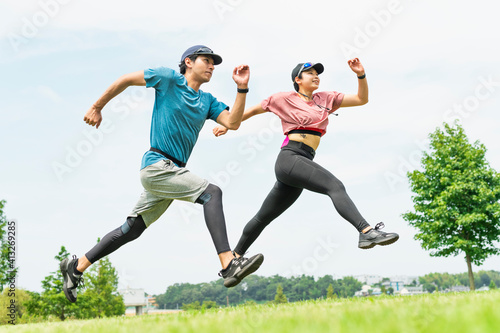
(219, 130)
(356, 66)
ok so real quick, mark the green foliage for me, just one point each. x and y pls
(209, 305)
(456, 208)
(5, 267)
(329, 292)
(250, 303)
(280, 297)
(194, 306)
(52, 303)
(442, 281)
(492, 285)
(101, 291)
(15, 299)
(98, 299)
(256, 288)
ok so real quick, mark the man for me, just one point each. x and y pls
(179, 112)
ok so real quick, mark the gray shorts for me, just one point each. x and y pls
(163, 182)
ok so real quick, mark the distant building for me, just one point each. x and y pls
(407, 280)
(483, 288)
(367, 290)
(396, 285)
(134, 298)
(412, 290)
(151, 302)
(368, 279)
(459, 288)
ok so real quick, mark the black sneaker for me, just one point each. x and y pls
(239, 268)
(376, 237)
(71, 279)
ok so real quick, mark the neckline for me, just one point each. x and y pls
(298, 96)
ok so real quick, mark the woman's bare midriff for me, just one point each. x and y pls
(309, 139)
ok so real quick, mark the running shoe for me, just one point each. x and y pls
(376, 237)
(239, 268)
(71, 279)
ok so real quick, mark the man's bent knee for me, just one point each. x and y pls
(211, 191)
(133, 227)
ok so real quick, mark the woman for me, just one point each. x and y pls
(304, 116)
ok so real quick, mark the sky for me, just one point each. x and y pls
(66, 183)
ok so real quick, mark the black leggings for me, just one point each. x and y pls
(211, 199)
(295, 171)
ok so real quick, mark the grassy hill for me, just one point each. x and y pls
(453, 312)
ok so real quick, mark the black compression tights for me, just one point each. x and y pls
(296, 171)
(211, 199)
(130, 230)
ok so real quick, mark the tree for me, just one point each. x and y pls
(6, 269)
(194, 306)
(280, 297)
(18, 315)
(52, 302)
(456, 199)
(209, 305)
(102, 290)
(98, 299)
(329, 292)
(492, 285)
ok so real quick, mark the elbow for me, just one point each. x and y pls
(363, 101)
(234, 126)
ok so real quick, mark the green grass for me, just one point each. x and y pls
(458, 312)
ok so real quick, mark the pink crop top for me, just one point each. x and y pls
(295, 113)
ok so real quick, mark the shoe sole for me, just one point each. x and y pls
(371, 245)
(249, 269)
(64, 270)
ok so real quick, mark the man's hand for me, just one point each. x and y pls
(93, 116)
(241, 75)
(356, 66)
(219, 130)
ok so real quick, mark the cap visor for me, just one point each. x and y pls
(217, 58)
(318, 67)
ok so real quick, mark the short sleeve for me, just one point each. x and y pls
(216, 108)
(268, 103)
(332, 98)
(337, 100)
(158, 78)
(265, 103)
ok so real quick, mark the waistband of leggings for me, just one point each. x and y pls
(302, 146)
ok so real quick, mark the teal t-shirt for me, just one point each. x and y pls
(179, 114)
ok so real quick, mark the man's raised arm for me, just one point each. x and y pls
(232, 120)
